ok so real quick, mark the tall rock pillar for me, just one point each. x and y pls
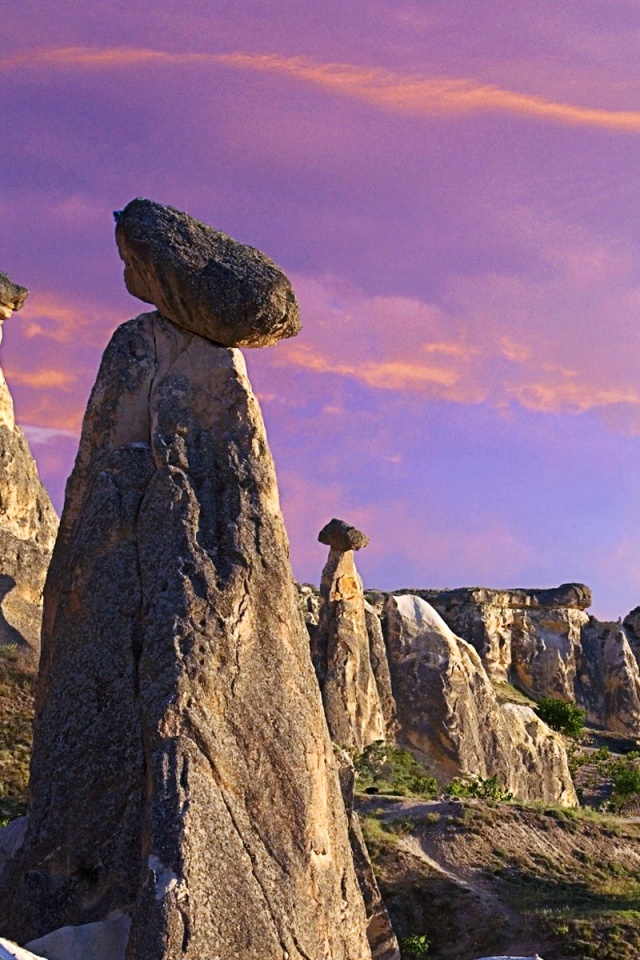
(182, 770)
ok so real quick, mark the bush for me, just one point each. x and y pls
(414, 947)
(561, 715)
(486, 789)
(625, 778)
(385, 769)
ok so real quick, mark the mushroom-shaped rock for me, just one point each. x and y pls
(203, 280)
(340, 536)
(12, 296)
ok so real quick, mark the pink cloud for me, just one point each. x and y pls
(414, 95)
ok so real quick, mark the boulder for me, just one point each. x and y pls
(28, 522)
(11, 951)
(343, 657)
(449, 715)
(12, 296)
(182, 771)
(203, 280)
(341, 536)
(106, 940)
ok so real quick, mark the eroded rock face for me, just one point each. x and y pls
(202, 279)
(358, 711)
(28, 522)
(182, 772)
(449, 715)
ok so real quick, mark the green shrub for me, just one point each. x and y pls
(386, 769)
(625, 779)
(486, 789)
(414, 947)
(561, 715)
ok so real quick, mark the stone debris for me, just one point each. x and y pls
(203, 280)
(342, 537)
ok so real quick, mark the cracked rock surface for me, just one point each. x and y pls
(182, 770)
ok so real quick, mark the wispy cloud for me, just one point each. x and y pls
(47, 379)
(415, 95)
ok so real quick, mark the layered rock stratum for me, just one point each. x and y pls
(182, 772)
(28, 522)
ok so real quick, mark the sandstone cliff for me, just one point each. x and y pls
(545, 642)
(449, 715)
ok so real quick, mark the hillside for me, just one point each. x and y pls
(478, 877)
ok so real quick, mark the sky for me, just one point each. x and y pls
(454, 190)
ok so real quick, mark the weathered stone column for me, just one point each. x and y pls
(182, 770)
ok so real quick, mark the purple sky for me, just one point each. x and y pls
(454, 190)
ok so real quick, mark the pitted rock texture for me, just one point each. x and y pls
(342, 653)
(339, 535)
(182, 770)
(449, 715)
(203, 280)
(28, 526)
(12, 296)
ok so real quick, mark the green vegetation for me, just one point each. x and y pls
(414, 947)
(561, 715)
(485, 789)
(17, 685)
(385, 769)
(625, 780)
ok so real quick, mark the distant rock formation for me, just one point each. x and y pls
(182, 771)
(348, 650)
(28, 522)
(449, 715)
(545, 642)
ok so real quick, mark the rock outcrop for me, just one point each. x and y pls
(348, 651)
(203, 280)
(182, 771)
(449, 715)
(28, 522)
(545, 642)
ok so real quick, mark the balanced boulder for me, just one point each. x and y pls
(202, 279)
(342, 537)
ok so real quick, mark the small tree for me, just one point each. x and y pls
(561, 715)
